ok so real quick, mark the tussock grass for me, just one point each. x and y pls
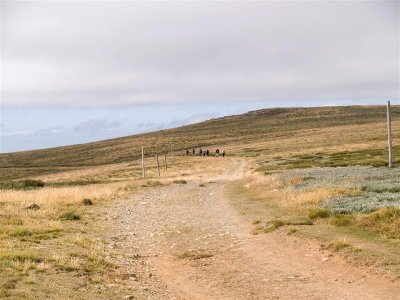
(70, 216)
(339, 245)
(194, 255)
(271, 189)
(385, 221)
(297, 180)
(20, 255)
(25, 184)
(273, 225)
(180, 181)
(152, 183)
(10, 220)
(342, 220)
(29, 238)
(317, 213)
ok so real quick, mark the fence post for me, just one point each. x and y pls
(165, 161)
(158, 166)
(389, 128)
(143, 169)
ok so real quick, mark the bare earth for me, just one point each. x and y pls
(184, 241)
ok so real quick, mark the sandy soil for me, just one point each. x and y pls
(185, 241)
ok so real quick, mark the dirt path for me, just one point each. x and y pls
(186, 242)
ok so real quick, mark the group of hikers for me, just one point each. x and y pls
(206, 152)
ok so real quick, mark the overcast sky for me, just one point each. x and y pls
(78, 71)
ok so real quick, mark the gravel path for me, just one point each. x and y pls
(184, 241)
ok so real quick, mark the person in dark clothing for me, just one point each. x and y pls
(223, 153)
(194, 151)
(187, 151)
(217, 152)
(208, 152)
(201, 152)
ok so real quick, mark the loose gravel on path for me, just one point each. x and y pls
(184, 241)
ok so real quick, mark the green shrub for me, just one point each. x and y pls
(32, 183)
(21, 184)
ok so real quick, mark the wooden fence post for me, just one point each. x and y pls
(158, 166)
(389, 128)
(143, 169)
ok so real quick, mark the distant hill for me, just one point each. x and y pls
(265, 124)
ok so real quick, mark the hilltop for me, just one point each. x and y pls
(235, 132)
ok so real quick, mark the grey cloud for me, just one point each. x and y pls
(97, 126)
(148, 126)
(50, 130)
(190, 120)
(153, 126)
(102, 53)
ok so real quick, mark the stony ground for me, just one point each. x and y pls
(185, 241)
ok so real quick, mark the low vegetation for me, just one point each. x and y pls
(194, 255)
(317, 213)
(180, 181)
(21, 184)
(310, 170)
(385, 221)
(44, 243)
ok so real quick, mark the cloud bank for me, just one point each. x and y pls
(101, 53)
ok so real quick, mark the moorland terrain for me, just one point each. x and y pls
(302, 207)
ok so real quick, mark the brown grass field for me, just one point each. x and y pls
(57, 243)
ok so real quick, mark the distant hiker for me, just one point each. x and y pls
(187, 151)
(201, 152)
(223, 153)
(217, 152)
(194, 151)
(208, 152)
(204, 153)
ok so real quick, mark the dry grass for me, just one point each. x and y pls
(289, 138)
(385, 221)
(271, 189)
(41, 243)
(340, 245)
(194, 255)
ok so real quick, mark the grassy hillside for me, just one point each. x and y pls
(352, 210)
(234, 132)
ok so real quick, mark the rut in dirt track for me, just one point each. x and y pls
(192, 245)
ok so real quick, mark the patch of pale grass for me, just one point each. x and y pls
(67, 263)
(81, 241)
(23, 266)
(19, 255)
(339, 245)
(296, 180)
(292, 201)
(51, 199)
(315, 196)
